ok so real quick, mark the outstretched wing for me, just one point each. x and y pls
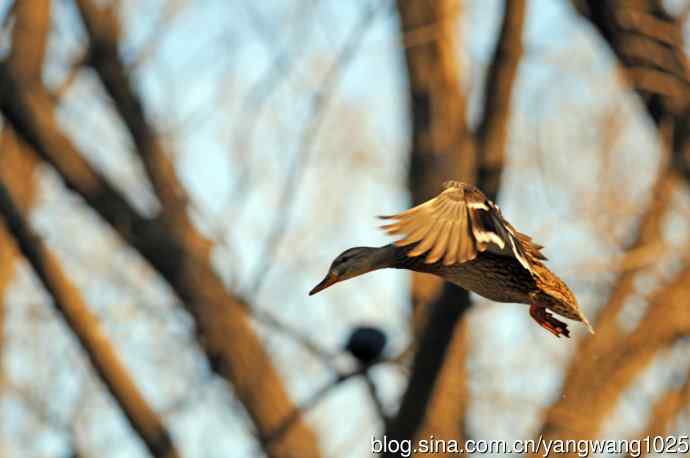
(458, 224)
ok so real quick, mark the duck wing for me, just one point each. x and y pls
(458, 224)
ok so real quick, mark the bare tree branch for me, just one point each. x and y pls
(327, 388)
(31, 112)
(592, 384)
(67, 299)
(17, 162)
(492, 132)
(660, 75)
(29, 38)
(104, 33)
(444, 148)
(587, 399)
(664, 411)
(31, 115)
(597, 356)
(234, 349)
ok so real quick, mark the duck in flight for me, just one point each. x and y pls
(462, 237)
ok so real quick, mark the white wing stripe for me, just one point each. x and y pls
(486, 236)
(519, 256)
(477, 205)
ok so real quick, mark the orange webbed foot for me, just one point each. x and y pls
(547, 321)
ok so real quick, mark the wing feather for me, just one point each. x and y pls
(428, 241)
(441, 244)
(417, 233)
(453, 241)
(466, 245)
(458, 224)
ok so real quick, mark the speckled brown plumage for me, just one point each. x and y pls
(461, 236)
(481, 275)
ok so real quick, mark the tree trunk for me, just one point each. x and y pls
(443, 148)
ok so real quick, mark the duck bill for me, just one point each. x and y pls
(330, 279)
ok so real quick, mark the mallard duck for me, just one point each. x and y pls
(461, 236)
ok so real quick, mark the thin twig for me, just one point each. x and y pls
(310, 403)
(372, 389)
(254, 103)
(171, 10)
(294, 174)
(338, 379)
(74, 67)
(313, 348)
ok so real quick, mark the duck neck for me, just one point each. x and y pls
(384, 257)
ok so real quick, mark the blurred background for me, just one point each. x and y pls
(176, 175)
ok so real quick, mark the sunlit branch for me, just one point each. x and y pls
(492, 132)
(664, 411)
(231, 344)
(445, 148)
(67, 299)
